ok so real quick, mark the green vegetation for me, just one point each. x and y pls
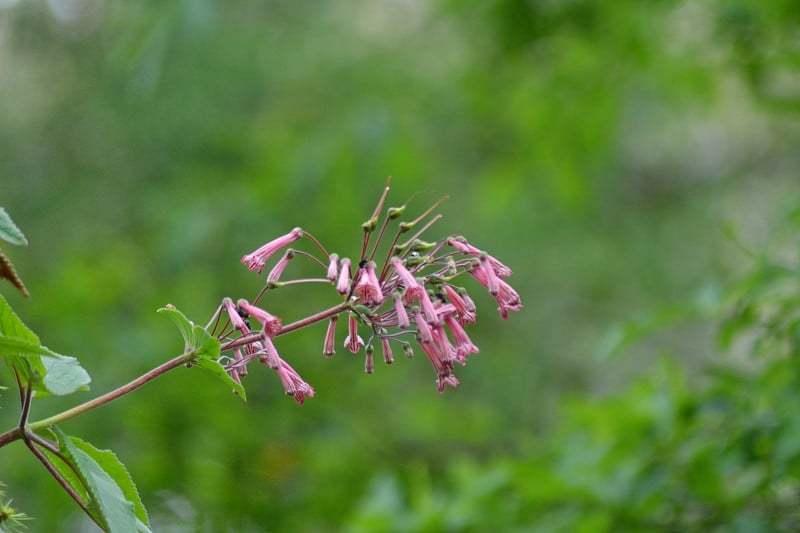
(635, 163)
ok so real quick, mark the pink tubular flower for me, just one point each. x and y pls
(413, 287)
(235, 317)
(275, 274)
(368, 288)
(507, 298)
(465, 314)
(461, 244)
(353, 341)
(270, 355)
(388, 358)
(333, 267)
(343, 285)
(400, 310)
(446, 348)
(464, 345)
(427, 307)
(257, 259)
(328, 349)
(272, 324)
(293, 384)
(446, 379)
(424, 329)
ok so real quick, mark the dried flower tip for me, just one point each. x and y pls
(333, 267)
(271, 323)
(257, 259)
(368, 288)
(328, 349)
(388, 358)
(343, 284)
(353, 341)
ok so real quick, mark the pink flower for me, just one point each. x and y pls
(427, 307)
(485, 277)
(508, 299)
(464, 345)
(235, 317)
(343, 285)
(425, 336)
(275, 274)
(461, 244)
(400, 310)
(413, 287)
(446, 348)
(388, 358)
(272, 324)
(328, 349)
(270, 355)
(465, 314)
(293, 384)
(333, 267)
(504, 294)
(257, 259)
(368, 288)
(353, 341)
(446, 379)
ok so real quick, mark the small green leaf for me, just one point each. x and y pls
(9, 231)
(11, 327)
(103, 480)
(64, 375)
(218, 370)
(196, 339)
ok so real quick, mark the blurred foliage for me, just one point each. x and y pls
(600, 149)
(716, 450)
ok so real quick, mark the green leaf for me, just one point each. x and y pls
(218, 370)
(9, 231)
(99, 477)
(196, 339)
(15, 337)
(64, 375)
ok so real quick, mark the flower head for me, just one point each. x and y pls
(353, 341)
(343, 284)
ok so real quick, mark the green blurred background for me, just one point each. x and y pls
(617, 155)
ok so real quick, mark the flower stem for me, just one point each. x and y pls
(113, 395)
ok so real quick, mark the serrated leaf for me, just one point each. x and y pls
(8, 272)
(9, 231)
(218, 370)
(103, 480)
(196, 339)
(64, 375)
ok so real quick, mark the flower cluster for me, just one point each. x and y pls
(409, 299)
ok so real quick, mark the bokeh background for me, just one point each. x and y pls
(624, 158)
